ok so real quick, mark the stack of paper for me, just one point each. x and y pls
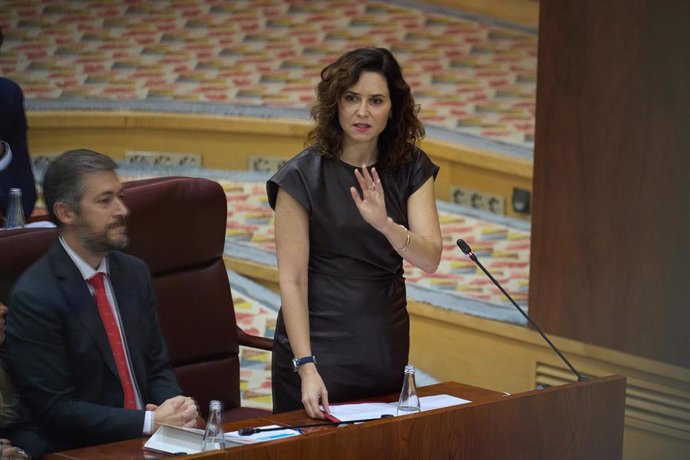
(174, 440)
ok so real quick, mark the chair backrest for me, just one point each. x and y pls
(18, 250)
(177, 226)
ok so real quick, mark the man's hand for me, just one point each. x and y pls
(177, 411)
(8, 451)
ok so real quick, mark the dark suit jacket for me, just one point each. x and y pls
(13, 131)
(60, 357)
(20, 430)
(26, 436)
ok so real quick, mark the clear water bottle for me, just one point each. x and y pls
(213, 436)
(15, 211)
(409, 401)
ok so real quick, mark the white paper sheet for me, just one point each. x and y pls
(349, 412)
(174, 440)
(439, 401)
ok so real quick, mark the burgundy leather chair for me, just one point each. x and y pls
(177, 226)
(19, 249)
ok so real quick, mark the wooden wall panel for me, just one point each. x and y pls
(611, 218)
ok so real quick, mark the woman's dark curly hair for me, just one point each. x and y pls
(403, 130)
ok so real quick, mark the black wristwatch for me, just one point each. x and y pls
(297, 362)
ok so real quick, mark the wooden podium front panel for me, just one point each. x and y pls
(581, 420)
(577, 421)
(611, 214)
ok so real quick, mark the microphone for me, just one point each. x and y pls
(251, 431)
(467, 250)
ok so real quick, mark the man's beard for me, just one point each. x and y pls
(100, 243)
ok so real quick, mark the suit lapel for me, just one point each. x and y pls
(82, 303)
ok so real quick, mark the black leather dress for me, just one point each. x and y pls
(358, 318)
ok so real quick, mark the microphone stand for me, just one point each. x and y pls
(251, 431)
(467, 250)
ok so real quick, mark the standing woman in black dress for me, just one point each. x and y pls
(348, 210)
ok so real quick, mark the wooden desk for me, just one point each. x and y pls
(581, 420)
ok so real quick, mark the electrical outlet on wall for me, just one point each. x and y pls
(478, 200)
(496, 204)
(460, 196)
(265, 164)
(163, 158)
(43, 159)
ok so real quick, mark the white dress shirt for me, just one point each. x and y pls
(6, 157)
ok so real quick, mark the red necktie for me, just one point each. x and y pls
(110, 324)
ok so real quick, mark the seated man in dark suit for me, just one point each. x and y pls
(15, 164)
(83, 340)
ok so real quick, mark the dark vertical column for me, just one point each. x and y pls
(611, 221)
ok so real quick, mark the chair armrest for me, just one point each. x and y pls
(38, 216)
(253, 341)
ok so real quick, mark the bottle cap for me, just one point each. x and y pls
(215, 404)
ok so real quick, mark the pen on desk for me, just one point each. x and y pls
(277, 436)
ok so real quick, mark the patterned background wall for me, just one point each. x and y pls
(472, 78)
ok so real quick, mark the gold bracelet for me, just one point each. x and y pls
(407, 240)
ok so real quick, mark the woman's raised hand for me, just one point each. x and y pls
(371, 203)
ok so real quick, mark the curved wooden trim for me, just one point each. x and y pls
(524, 12)
(193, 122)
(163, 120)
